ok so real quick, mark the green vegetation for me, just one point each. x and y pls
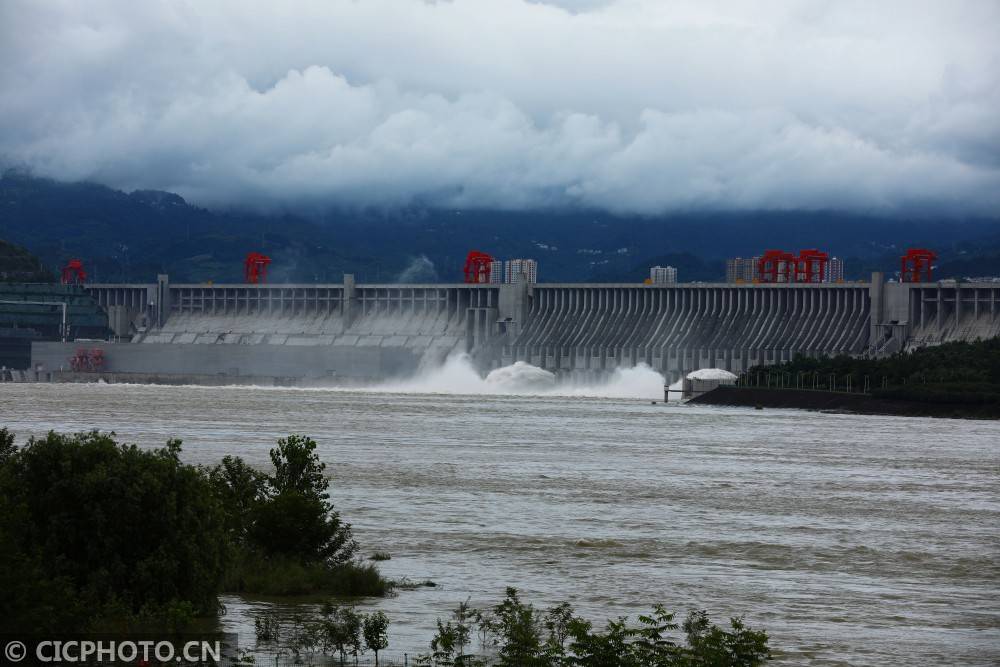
(337, 630)
(514, 634)
(375, 629)
(17, 265)
(958, 373)
(970, 363)
(97, 535)
(287, 537)
(521, 636)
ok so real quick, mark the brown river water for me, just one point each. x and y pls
(852, 539)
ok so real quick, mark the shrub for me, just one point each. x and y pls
(255, 573)
(523, 637)
(287, 514)
(96, 533)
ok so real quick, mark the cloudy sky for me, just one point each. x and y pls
(634, 106)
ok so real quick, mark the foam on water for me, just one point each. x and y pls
(711, 374)
(457, 375)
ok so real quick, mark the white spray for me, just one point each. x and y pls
(457, 375)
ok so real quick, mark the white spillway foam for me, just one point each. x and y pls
(457, 375)
(521, 377)
(711, 374)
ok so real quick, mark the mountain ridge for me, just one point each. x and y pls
(133, 236)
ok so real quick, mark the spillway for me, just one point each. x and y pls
(352, 333)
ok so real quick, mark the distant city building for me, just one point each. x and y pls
(663, 275)
(742, 269)
(496, 271)
(520, 269)
(834, 271)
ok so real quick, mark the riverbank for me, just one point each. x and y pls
(828, 401)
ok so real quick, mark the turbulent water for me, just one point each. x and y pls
(852, 539)
(458, 376)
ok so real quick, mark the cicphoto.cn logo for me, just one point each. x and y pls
(91, 651)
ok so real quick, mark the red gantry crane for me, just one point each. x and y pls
(255, 268)
(73, 273)
(776, 266)
(810, 266)
(916, 266)
(477, 267)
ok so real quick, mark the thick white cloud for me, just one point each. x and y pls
(633, 106)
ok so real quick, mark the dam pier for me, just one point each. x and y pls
(354, 333)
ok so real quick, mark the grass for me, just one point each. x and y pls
(381, 555)
(257, 575)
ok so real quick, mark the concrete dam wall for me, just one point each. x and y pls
(360, 333)
(679, 329)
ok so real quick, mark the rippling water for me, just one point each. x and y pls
(851, 539)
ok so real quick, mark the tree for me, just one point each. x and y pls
(107, 533)
(241, 490)
(339, 630)
(7, 448)
(571, 641)
(443, 644)
(711, 645)
(557, 622)
(463, 616)
(376, 632)
(519, 637)
(295, 518)
(297, 468)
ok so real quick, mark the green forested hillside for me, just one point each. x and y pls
(17, 265)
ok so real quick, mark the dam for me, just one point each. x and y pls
(353, 333)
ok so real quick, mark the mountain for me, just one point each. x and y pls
(133, 236)
(17, 265)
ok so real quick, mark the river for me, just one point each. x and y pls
(852, 539)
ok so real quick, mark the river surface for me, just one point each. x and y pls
(851, 539)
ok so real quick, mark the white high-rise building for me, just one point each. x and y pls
(496, 271)
(663, 275)
(520, 269)
(742, 269)
(834, 271)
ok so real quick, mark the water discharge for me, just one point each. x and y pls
(458, 376)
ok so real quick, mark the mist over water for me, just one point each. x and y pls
(457, 375)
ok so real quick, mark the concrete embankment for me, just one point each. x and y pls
(841, 402)
(192, 379)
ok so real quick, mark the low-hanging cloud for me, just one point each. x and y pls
(631, 106)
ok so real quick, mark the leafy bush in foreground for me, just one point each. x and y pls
(520, 636)
(94, 533)
(100, 535)
(514, 634)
